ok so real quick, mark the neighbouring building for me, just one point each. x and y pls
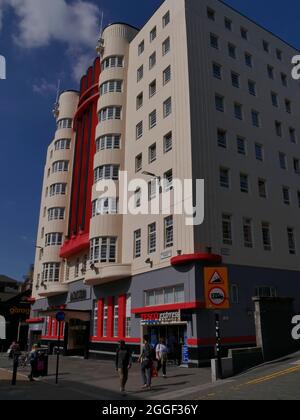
(200, 92)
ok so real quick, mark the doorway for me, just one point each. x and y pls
(77, 334)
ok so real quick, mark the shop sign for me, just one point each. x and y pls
(78, 296)
(161, 318)
(15, 310)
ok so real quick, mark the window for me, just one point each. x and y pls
(278, 128)
(266, 46)
(56, 213)
(106, 172)
(116, 319)
(228, 24)
(166, 46)
(58, 189)
(152, 238)
(288, 106)
(165, 296)
(60, 166)
(167, 107)
(219, 101)
(152, 153)
(166, 19)
(224, 177)
(111, 86)
(103, 250)
(274, 98)
(241, 146)
(50, 272)
(141, 48)
(104, 206)
(284, 79)
(167, 75)
(222, 138)
(252, 87)
(168, 142)
(139, 163)
(211, 14)
(111, 62)
(247, 230)
(53, 239)
(262, 188)
(266, 292)
(234, 294)
(152, 189)
(291, 240)
(62, 144)
(128, 316)
(235, 79)
(152, 89)
(153, 34)
(139, 100)
(282, 160)
(296, 164)
(286, 195)
(217, 71)
(266, 236)
(77, 268)
(152, 119)
(105, 319)
(232, 50)
(214, 41)
(244, 183)
(94, 331)
(227, 229)
(140, 73)
(292, 132)
(255, 116)
(110, 113)
(271, 72)
(139, 130)
(248, 60)
(259, 152)
(238, 111)
(168, 232)
(168, 180)
(279, 54)
(108, 142)
(244, 33)
(137, 243)
(152, 60)
(64, 123)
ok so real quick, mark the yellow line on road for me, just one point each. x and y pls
(274, 376)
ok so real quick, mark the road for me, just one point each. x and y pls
(97, 380)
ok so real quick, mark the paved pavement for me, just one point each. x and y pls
(97, 380)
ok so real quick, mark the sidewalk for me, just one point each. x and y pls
(97, 380)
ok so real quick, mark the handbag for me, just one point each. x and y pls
(154, 373)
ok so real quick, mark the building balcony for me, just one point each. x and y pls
(98, 275)
(53, 289)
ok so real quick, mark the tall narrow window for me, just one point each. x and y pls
(116, 318)
(291, 240)
(137, 243)
(152, 238)
(95, 319)
(227, 229)
(169, 232)
(105, 319)
(128, 316)
(247, 230)
(266, 236)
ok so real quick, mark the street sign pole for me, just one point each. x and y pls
(218, 345)
(58, 351)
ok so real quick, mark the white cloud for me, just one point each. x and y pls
(44, 88)
(40, 22)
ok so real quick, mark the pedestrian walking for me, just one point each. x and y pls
(14, 348)
(33, 360)
(146, 360)
(162, 356)
(123, 364)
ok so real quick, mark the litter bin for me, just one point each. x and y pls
(42, 363)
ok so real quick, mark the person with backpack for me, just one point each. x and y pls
(146, 360)
(162, 356)
(123, 364)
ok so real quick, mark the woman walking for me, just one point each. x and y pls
(162, 356)
(123, 364)
(146, 360)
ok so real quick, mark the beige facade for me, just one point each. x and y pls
(195, 52)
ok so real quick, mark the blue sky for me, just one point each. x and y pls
(37, 56)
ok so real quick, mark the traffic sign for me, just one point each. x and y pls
(216, 288)
(60, 316)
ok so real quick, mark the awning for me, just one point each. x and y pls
(84, 316)
(35, 321)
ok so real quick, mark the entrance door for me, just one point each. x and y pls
(78, 336)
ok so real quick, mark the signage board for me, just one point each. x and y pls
(216, 287)
(60, 316)
(161, 318)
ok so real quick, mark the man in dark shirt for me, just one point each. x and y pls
(123, 364)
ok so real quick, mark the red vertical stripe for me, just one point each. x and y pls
(122, 315)
(100, 318)
(110, 320)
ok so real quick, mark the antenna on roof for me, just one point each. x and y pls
(100, 43)
(56, 105)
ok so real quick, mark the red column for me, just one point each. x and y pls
(100, 318)
(122, 315)
(55, 329)
(49, 327)
(110, 317)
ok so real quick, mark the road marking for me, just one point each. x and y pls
(273, 376)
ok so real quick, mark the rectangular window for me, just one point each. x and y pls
(274, 98)
(214, 41)
(296, 164)
(166, 46)
(168, 232)
(152, 238)
(152, 60)
(252, 87)
(165, 296)
(278, 128)
(270, 70)
(235, 79)
(286, 195)
(152, 153)
(248, 60)
(238, 111)
(105, 319)
(224, 177)
(152, 120)
(128, 316)
(266, 236)
(247, 230)
(95, 319)
(168, 180)
(152, 89)
(140, 73)
(168, 142)
(219, 101)
(211, 14)
(279, 54)
(288, 106)
(244, 33)
(137, 243)
(292, 132)
(103, 250)
(138, 198)
(139, 163)
(259, 152)
(234, 294)
(255, 116)
(166, 19)
(228, 24)
(139, 100)
(167, 107)
(284, 79)
(217, 71)
(227, 229)
(141, 48)
(241, 146)
(266, 292)
(139, 130)
(153, 34)
(152, 189)
(116, 320)
(291, 240)
(222, 138)
(167, 75)
(244, 183)
(266, 46)
(262, 188)
(282, 161)
(232, 50)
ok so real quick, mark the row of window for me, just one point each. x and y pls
(112, 62)
(62, 144)
(105, 206)
(60, 166)
(165, 296)
(152, 152)
(53, 239)
(167, 76)
(58, 189)
(110, 113)
(109, 172)
(56, 213)
(228, 24)
(153, 33)
(248, 237)
(64, 123)
(111, 86)
(50, 272)
(167, 110)
(166, 48)
(108, 142)
(103, 250)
